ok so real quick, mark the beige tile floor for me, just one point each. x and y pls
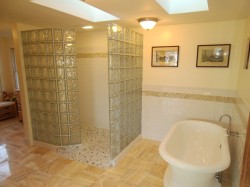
(25, 166)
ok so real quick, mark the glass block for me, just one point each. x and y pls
(60, 73)
(126, 35)
(60, 61)
(62, 96)
(58, 48)
(75, 130)
(115, 139)
(33, 36)
(120, 33)
(47, 35)
(73, 96)
(70, 61)
(46, 84)
(113, 61)
(57, 140)
(57, 34)
(38, 72)
(74, 118)
(73, 107)
(120, 47)
(25, 36)
(69, 48)
(114, 102)
(53, 118)
(53, 107)
(114, 89)
(50, 61)
(63, 118)
(128, 86)
(65, 140)
(40, 106)
(69, 35)
(114, 115)
(40, 35)
(133, 73)
(113, 75)
(123, 99)
(113, 46)
(112, 31)
(71, 73)
(122, 74)
(122, 61)
(52, 85)
(49, 48)
(122, 87)
(32, 49)
(51, 72)
(43, 48)
(65, 130)
(72, 84)
(53, 97)
(61, 84)
(45, 73)
(132, 36)
(75, 139)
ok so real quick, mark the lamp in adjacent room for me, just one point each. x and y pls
(147, 23)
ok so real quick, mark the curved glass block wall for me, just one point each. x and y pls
(51, 76)
(125, 86)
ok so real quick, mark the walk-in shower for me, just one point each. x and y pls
(59, 92)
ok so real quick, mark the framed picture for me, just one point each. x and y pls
(165, 56)
(217, 55)
(248, 54)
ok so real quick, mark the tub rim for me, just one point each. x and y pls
(191, 167)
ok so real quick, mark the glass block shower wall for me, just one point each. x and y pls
(51, 76)
(125, 86)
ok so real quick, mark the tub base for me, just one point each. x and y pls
(175, 177)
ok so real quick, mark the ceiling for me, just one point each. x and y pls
(22, 11)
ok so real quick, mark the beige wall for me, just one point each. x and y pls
(93, 79)
(188, 36)
(6, 74)
(244, 75)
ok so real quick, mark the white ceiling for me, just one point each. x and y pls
(128, 11)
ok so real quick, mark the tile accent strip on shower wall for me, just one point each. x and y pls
(92, 55)
(189, 96)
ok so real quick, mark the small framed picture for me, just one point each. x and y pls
(248, 55)
(165, 56)
(216, 55)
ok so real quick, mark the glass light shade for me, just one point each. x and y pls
(147, 23)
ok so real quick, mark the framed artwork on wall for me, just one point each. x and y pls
(215, 55)
(248, 55)
(165, 56)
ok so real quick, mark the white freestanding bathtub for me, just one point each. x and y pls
(195, 152)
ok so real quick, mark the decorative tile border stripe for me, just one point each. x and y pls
(189, 96)
(92, 55)
(238, 102)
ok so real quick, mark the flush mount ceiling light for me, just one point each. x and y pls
(147, 23)
(183, 6)
(77, 8)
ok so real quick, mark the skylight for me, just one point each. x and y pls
(77, 8)
(183, 6)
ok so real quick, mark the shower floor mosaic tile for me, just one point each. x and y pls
(94, 149)
(33, 166)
